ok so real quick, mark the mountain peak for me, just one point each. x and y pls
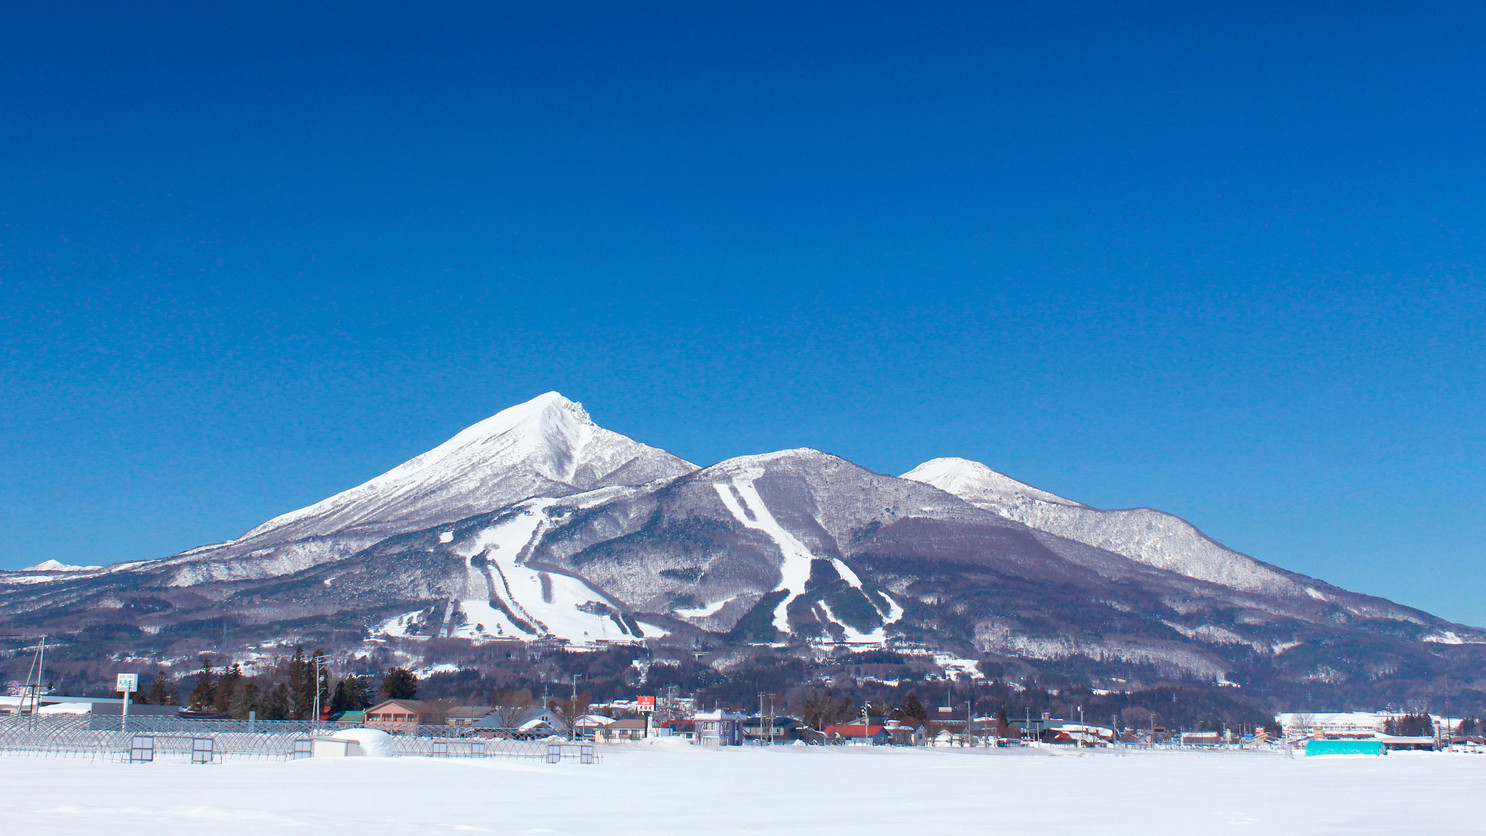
(1151, 537)
(57, 566)
(540, 414)
(547, 446)
(966, 478)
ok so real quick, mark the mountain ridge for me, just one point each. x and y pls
(537, 523)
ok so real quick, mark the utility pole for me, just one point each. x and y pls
(767, 718)
(1448, 736)
(34, 690)
(319, 658)
(573, 710)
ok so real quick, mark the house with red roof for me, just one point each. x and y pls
(868, 733)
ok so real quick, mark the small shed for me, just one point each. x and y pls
(335, 747)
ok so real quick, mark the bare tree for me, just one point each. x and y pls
(820, 707)
(511, 707)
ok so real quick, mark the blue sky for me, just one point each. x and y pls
(1225, 260)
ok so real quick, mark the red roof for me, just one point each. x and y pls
(854, 730)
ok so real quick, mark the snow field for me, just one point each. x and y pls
(794, 568)
(525, 589)
(677, 789)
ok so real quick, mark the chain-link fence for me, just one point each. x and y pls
(147, 739)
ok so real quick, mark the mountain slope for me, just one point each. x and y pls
(1141, 534)
(546, 447)
(538, 524)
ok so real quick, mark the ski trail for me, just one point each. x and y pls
(794, 571)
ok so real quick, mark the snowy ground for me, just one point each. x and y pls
(787, 790)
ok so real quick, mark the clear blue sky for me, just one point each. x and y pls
(1226, 260)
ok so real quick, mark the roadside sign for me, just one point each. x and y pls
(127, 683)
(645, 704)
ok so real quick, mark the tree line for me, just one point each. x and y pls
(283, 690)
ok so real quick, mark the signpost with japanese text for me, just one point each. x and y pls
(647, 707)
(127, 683)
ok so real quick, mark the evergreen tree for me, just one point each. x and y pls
(912, 710)
(203, 693)
(399, 684)
(350, 694)
(276, 706)
(228, 686)
(162, 690)
(246, 701)
(1410, 725)
(358, 693)
(340, 700)
(301, 686)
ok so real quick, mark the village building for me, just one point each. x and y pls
(628, 729)
(401, 716)
(521, 724)
(758, 729)
(679, 727)
(719, 727)
(1334, 725)
(466, 715)
(905, 734)
(869, 733)
(591, 726)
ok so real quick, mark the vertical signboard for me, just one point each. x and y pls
(647, 707)
(127, 683)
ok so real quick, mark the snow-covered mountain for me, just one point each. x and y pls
(546, 447)
(57, 566)
(536, 523)
(1150, 537)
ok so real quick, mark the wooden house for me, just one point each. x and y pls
(401, 716)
